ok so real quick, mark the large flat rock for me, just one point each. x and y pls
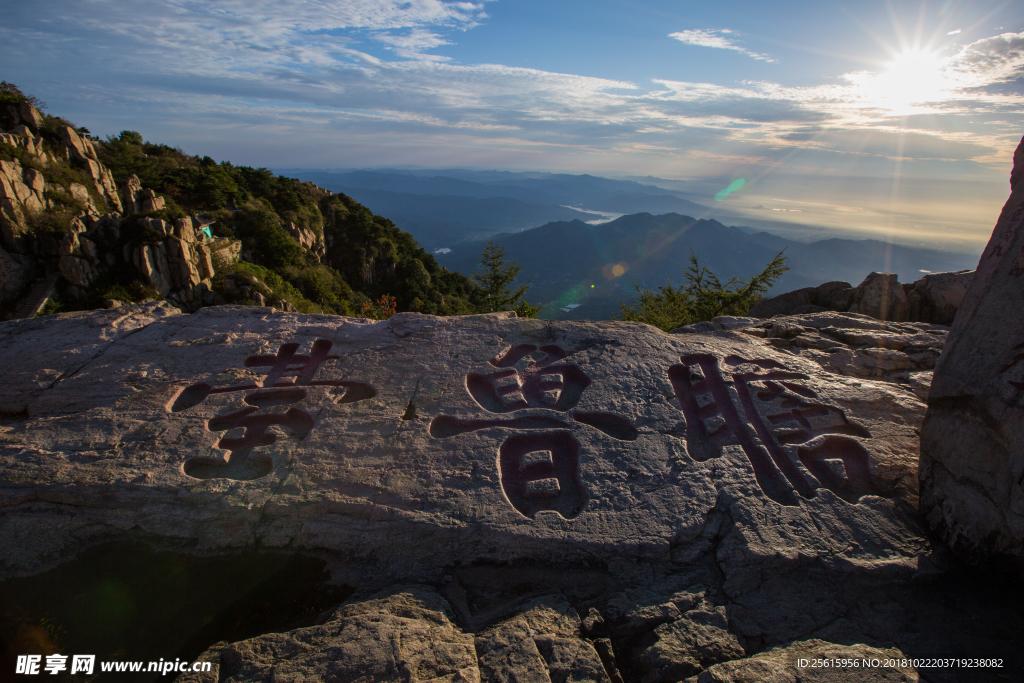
(417, 443)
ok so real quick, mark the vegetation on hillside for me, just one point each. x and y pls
(703, 296)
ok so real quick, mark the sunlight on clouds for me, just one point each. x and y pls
(913, 78)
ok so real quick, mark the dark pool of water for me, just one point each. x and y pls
(128, 602)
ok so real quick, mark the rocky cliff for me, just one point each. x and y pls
(38, 189)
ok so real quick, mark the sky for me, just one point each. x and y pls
(890, 119)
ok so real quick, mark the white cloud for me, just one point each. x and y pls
(715, 38)
(988, 61)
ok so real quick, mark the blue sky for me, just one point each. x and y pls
(894, 119)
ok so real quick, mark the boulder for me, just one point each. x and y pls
(153, 204)
(410, 633)
(81, 193)
(782, 304)
(78, 148)
(78, 260)
(807, 300)
(936, 297)
(150, 261)
(183, 229)
(972, 440)
(306, 237)
(182, 262)
(881, 296)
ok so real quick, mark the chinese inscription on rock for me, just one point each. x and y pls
(765, 408)
(288, 377)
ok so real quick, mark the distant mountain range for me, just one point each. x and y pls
(446, 220)
(582, 271)
(438, 221)
(442, 208)
(571, 260)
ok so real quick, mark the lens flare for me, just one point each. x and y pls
(614, 270)
(733, 186)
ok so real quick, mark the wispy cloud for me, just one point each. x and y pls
(715, 38)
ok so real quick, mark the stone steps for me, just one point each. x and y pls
(38, 295)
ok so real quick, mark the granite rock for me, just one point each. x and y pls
(972, 440)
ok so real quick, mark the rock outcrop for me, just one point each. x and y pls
(848, 344)
(932, 299)
(307, 239)
(669, 502)
(936, 297)
(172, 258)
(972, 441)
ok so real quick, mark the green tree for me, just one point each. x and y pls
(703, 297)
(130, 137)
(496, 281)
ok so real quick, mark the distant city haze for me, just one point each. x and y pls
(894, 121)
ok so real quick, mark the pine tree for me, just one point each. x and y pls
(496, 279)
(703, 297)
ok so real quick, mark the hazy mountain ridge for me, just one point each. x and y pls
(654, 250)
(443, 220)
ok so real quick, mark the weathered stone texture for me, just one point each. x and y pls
(972, 441)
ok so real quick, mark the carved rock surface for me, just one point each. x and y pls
(972, 461)
(699, 497)
(542, 438)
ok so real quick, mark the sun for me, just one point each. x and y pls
(913, 78)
